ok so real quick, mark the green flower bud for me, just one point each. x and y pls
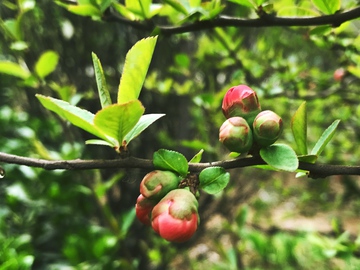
(236, 135)
(267, 128)
(157, 184)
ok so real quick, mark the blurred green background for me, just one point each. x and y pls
(263, 220)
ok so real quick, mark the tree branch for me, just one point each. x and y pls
(315, 170)
(265, 20)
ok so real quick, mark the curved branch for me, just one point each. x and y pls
(315, 170)
(265, 20)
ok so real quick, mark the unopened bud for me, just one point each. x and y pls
(236, 135)
(267, 128)
(241, 101)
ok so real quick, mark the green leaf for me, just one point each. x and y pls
(177, 6)
(213, 179)
(84, 10)
(299, 128)
(118, 119)
(280, 156)
(308, 158)
(104, 94)
(247, 3)
(141, 125)
(46, 63)
(325, 138)
(104, 4)
(136, 65)
(197, 157)
(327, 6)
(139, 7)
(14, 69)
(99, 142)
(164, 159)
(76, 116)
(121, 9)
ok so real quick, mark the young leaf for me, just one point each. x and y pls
(14, 69)
(139, 7)
(136, 65)
(76, 116)
(85, 10)
(213, 179)
(280, 156)
(104, 94)
(164, 159)
(99, 142)
(118, 119)
(46, 63)
(327, 6)
(299, 128)
(197, 157)
(247, 3)
(308, 158)
(325, 138)
(144, 122)
(177, 5)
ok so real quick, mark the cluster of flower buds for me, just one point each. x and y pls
(246, 124)
(172, 212)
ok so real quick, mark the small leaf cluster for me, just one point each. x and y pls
(115, 124)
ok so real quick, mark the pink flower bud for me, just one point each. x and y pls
(157, 184)
(175, 217)
(339, 74)
(267, 128)
(241, 101)
(236, 135)
(143, 208)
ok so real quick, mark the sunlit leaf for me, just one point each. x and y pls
(213, 179)
(46, 63)
(121, 9)
(118, 119)
(139, 7)
(327, 6)
(197, 157)
(104, 94)
(177, 6)
(280, 156)
(84, 10)
(14, 69)
(299, 128)
(164, 159)
(296, 11)
(75, 115)
(325, 138)
(136, 65)
(247, 3)
(99, 142)
(145, 121)
(308, 158)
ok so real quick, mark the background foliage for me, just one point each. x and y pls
(263, 220)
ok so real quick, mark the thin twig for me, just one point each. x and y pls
(315, 170)
(227, 21)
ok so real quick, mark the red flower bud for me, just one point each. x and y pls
(157, 184)
(339, 74)
(236, 135)
(267, 128)
(241, 101)
(143, 208)
(175, 217)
